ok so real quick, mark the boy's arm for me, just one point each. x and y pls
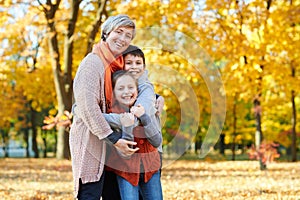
(152, 129)
(146, 97)
(159, 104)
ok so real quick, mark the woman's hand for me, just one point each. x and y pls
(123, 148)
(127, 119)
(138, 110)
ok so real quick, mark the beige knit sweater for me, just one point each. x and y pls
(89, 128)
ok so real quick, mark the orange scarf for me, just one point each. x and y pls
(111, 65)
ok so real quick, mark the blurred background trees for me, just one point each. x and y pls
(254, 45)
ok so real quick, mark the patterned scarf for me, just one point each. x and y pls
(111, 65)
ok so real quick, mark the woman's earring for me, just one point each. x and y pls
(103, 36)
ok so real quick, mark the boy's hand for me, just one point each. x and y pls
(138, 110)
(127, 119)
(159, 105)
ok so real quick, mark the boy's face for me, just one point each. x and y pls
(135, 65)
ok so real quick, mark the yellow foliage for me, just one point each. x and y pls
(255, 49)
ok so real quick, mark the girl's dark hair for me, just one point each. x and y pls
(135, 51)
(116, 75)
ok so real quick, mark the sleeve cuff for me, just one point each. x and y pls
(145, 119)
(127, 133)
(114, 137)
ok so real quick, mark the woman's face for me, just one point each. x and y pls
(119, 39)
(125, 90)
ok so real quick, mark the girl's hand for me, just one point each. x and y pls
(138, 110)
(127, 119)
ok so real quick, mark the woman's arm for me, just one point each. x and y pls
(87, 94)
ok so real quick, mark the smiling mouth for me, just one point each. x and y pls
(134, 72)
(128, 98)
(119, 45)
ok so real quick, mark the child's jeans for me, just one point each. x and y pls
(150, 190)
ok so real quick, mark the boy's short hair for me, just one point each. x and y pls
(114, 22)
(135, 51)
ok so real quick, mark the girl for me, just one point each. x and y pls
(140, 172)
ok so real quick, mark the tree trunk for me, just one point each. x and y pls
(222, 144)
(34, 132)
(55, 146)
(44, 138)
(259, 134)
(96, 24)
(294, 120)
(5, 140)
(50, 11)
(256, 102)
(62, 80)
(234, 128)
(294, 111)
(26, 139)
(65, 83)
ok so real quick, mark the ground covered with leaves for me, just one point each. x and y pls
(36, 179)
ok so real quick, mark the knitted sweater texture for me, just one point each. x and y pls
(89, 128)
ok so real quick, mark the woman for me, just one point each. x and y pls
(140, 172)
(93, 96)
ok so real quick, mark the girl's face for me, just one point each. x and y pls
(119, 39)
(135, 65)
(125, 90)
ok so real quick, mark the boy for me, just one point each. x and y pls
(134, 60)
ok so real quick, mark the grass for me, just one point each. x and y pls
(216, 156)
(51, 179)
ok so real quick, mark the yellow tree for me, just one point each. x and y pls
(11, 105)
(27, 70)
(61, 28)
(242, 34)
(61, 44)
(168, 28)
(284, 25)
(222, 29)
